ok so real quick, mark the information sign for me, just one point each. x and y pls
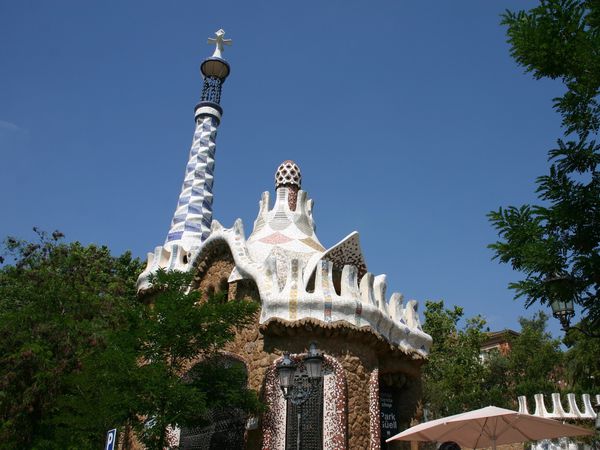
(389, 422)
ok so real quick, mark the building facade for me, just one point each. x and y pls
(372, 345)
(497, 341)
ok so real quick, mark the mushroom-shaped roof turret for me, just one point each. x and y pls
(288, 174)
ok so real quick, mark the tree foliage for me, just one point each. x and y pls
(178, 329)
(80, 354)
(458, 378)
(58, 303)
(452, 377)
(582, 364)
(535, 363)
(559, 239)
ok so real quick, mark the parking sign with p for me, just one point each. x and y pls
(111, 438)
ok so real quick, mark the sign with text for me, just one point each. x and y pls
(389, 422)
(111, 438)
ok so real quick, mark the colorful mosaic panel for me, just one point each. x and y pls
(193, 216)
(335, 429)
(275, 238)
(313, 244)
(293, 308)
(374, 411)
(348, 252)
(325, 286)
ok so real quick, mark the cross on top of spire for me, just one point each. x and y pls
(219, 41)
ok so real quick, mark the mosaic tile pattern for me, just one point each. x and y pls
(374, 411)
(173, 436)
(285, 295)
(288, 173)
(348, 251)
(334, 406)
(283, 266)
(274, 418)
(326, 283)
(335, 430)
(283, 259)
(304, 222)
(193, 215)
(276, 238)
(313, 244)
(286, 230)
(293, 305)
(292, 197)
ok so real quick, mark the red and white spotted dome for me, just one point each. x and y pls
(288, 173)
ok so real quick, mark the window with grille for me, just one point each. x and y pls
(306, 420)
(225, 431)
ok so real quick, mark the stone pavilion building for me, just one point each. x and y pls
(372, 346)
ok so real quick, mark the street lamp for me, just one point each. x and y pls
(563, 311)
(299, 389)
(562, 294)
(313, 362)
(286, 370)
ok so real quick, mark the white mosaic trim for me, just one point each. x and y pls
(283, 254)
(362, 304)
(558, 412)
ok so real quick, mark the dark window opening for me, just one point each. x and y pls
(336, 277)
(247, 290)
(224, 288)
(337, 280)
(310, 286)
(210, 291)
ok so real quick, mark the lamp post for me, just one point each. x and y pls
(298, 391)
(562, 294)
(564, 312)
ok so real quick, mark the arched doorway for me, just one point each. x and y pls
(225, 426)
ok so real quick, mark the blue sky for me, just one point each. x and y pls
(409, 120)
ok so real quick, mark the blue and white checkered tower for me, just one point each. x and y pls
(193, 216)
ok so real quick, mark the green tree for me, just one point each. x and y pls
(498, 383)
(81, 354)
(582, 364)
(457, 379)
(556, 244)
(100, 396)
(180, 327)
(452, 378)
(59, 304)
(535, 359)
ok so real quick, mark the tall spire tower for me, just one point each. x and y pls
(193, 216)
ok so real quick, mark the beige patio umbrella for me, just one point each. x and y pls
(488, 427)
